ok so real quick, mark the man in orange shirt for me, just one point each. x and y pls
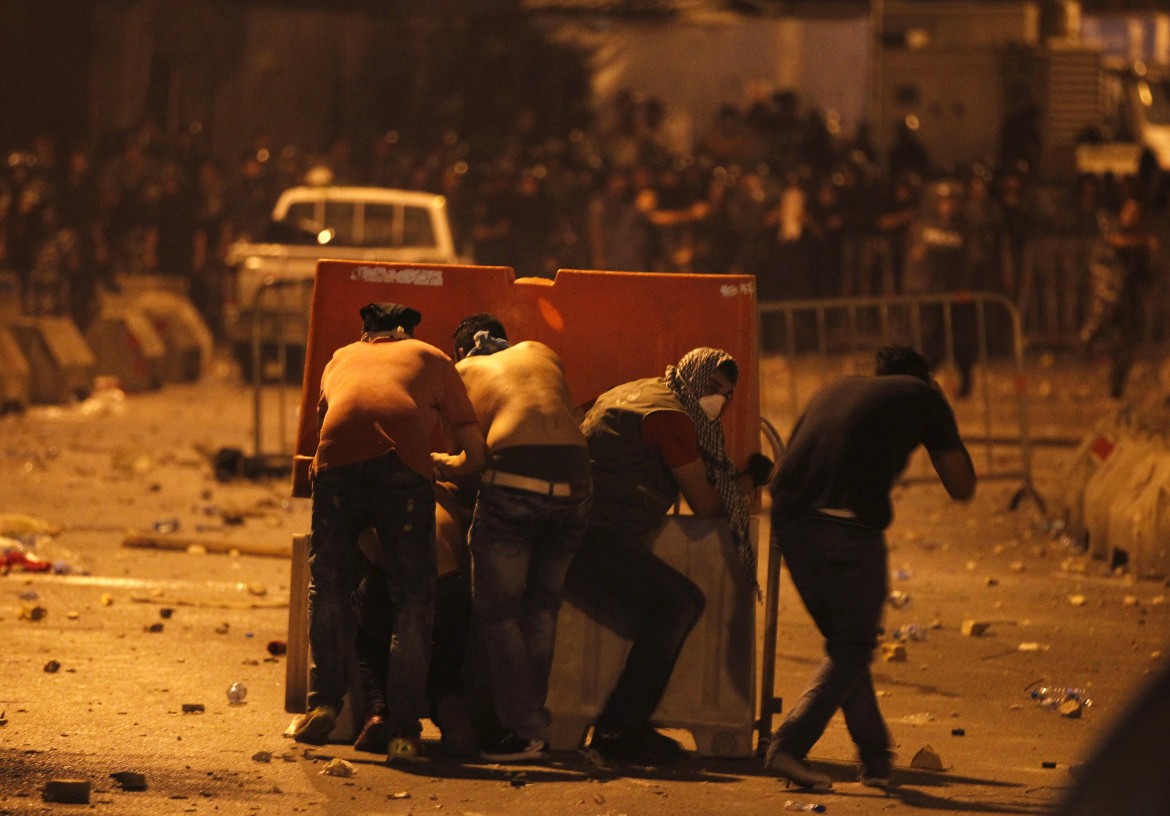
(380, 400)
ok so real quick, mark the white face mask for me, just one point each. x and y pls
(712, 405)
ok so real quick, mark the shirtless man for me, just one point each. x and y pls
(530, 517)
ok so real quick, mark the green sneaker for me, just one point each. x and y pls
(315, 726)
(405, 750)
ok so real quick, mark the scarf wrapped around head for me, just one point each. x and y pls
(485, 343)
(687, 380)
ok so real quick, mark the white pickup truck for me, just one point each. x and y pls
(267, 317)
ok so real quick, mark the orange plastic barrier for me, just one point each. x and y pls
(608, 327)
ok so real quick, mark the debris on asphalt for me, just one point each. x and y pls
(154, 628)
(193, 708)
(262, 756)
(169, 525)
(910, 631)
(1069, 702)
(893, 653)
(339, 767)
(237, 693)
(899, 599)
(140, 540)
(107, 599)
(277, 648)
(398, 795)
(519, 780)
(67, 791)
(132, 461)
(52, 667)
(1076, 600)
(927, 759)
(19, 525)
(958, 732)
(975, 628)
(166, 612)
(1032, 646)
(130, 780)
(32, 612)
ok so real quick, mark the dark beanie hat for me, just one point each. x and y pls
(379, 317)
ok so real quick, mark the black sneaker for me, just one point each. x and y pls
(511, 748)
(375, 736)
(636, 744)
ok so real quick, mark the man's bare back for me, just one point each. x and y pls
(521, 397)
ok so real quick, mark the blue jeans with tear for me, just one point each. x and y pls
(521, 546)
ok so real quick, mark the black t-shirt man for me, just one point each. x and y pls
(831, 503)
(854, 440)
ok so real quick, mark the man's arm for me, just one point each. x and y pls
(471, 458)
(702, 498)
(956, 471)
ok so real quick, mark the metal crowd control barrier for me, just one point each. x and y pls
(839, 336)
(273, 361)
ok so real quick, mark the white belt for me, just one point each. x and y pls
(528, 483)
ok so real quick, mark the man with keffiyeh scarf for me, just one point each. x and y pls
(649, 440)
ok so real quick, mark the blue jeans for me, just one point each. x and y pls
(618, 582)
(840, 572)
(521, 546)
(400, 505)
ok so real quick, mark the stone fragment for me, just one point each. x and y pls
(1071, 709)
(67, 791)
(927, 759)
(975, 628)
(893, 653)
(130, 780)
(1076, 600)
(32, 612)
(339, 767)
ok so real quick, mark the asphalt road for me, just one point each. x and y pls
(142, 635)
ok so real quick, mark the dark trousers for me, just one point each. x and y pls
(452, 627)
(521, 546)
(400, 505)
(617, 581)
(840, 572)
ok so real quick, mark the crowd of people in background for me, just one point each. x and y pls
(767, 190)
